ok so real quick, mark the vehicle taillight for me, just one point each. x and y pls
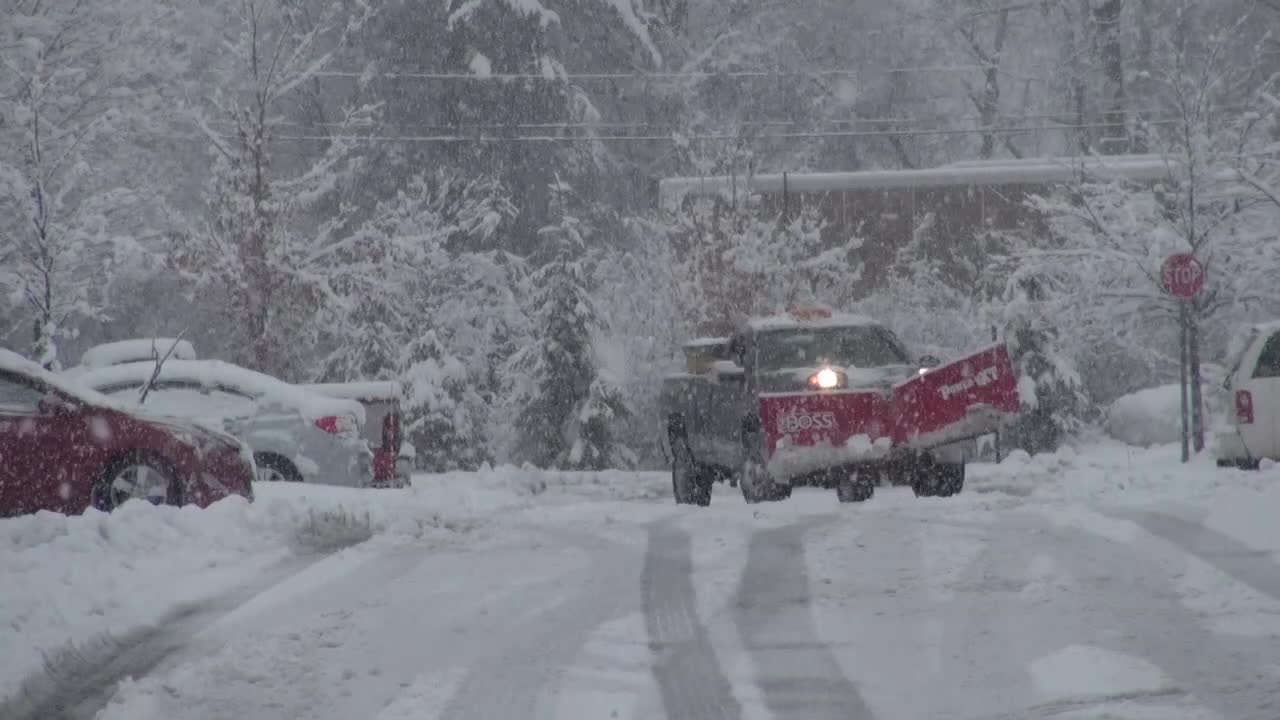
(337, 425)
(1244, 407)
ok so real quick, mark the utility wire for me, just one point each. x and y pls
(659, 124)
(675, 75)
(676, 137)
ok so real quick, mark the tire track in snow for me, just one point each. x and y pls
(689, 675)
(516, 679)
(1222, 673)
(1247, 565)
(797, 672)
(80, 680)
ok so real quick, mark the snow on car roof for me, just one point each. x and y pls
(13, 362)
(361, 390)
(786, 320)
(126, 351)
(213, 373)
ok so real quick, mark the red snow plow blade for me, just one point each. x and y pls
(962, 399)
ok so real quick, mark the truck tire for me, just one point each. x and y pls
(757, 486)
(855, 487)
(690, 482)
(939, 480)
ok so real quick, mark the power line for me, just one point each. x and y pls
(1137, 114)
(677, 137)
(674, 75)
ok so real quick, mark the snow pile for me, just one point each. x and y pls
(1116, 473)
(1152, 416)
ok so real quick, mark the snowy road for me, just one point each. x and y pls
(988, 605)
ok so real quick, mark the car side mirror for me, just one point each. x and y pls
(53, 404)
(929, 361)
(727, 371)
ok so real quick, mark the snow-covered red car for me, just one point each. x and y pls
(64, 449)
(815, 397)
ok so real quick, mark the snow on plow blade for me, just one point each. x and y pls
(965, 398)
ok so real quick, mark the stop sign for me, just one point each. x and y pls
(1182, 276)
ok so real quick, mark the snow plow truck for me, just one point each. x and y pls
(819, 398)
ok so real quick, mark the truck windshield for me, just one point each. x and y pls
(862, 346)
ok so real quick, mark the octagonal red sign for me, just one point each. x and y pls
(1182, 276)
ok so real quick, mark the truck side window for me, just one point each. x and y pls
(1269, 359)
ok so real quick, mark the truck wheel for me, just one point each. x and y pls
(689, 483)
(757, 486)
(940, 480)
(950, 479)
(855, 487)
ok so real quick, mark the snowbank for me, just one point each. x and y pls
(1152, 416)
(1121, 475)
(1147, 417)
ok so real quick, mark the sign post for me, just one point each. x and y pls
(1182, 276)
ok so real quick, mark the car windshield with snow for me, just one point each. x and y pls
(296, 434)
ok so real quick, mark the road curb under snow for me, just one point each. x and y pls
(79, 678)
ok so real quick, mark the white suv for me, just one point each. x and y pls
(1254, 384)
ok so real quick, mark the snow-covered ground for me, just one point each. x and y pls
(1108, 581)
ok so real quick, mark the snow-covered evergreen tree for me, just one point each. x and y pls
(433, 309)
(571, 404)
(275, 253)
(736, 262)
(1055, 406)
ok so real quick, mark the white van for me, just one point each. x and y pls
(1254, 383)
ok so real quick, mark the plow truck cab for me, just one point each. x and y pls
(826, 399)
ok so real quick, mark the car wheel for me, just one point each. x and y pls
(136, 477)
(273, 468)
(855, 487)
